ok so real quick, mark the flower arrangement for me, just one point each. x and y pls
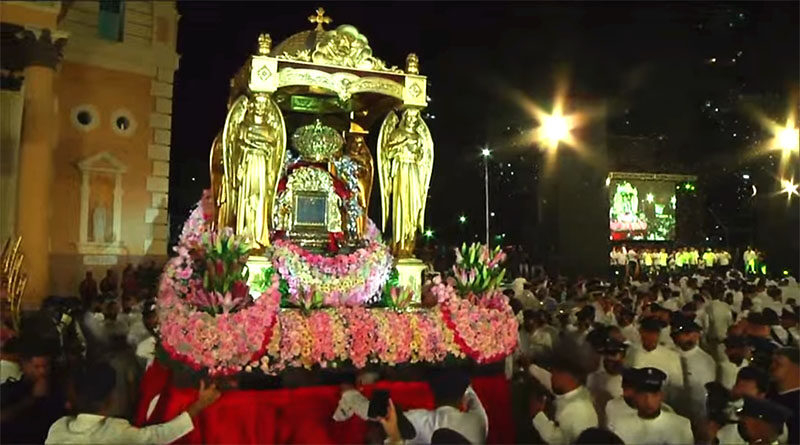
(350, 279)
(478, 270)
(222, 342)
(209, 322)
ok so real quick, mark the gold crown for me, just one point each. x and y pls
(317, 142)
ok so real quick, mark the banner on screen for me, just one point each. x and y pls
(641, 209)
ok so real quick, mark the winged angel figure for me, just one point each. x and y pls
(253, 152)
(405, 163)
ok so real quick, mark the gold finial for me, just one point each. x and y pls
(319, 19)
(264, 44)
(412, 64)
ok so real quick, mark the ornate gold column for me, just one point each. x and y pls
(39, 131)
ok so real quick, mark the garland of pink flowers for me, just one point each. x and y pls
(222, 343)
(223, 340)
(350, 279)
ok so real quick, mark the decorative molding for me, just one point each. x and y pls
(103, 162)
(92, 110)
(132, 123)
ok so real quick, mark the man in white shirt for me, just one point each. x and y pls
(94, 392)
(626, 326)
(720, 318)
(750, 382)
(699, 368)
(652, 424)
(652, 354)
(457, 408)
(574, 411)
(605, 383)
(737, 356)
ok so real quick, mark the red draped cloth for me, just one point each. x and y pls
(301, 415)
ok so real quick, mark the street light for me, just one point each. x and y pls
(485, 153)
(462, 219)
(555, 128)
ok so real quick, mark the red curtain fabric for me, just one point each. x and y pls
(301, 415)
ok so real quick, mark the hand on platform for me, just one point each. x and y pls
(206, 395)
(390, 426)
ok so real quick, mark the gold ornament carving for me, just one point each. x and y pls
(12, 280)
(312, 180)
(253, 152)
(405, 164)
(344, 85)
(359, 152)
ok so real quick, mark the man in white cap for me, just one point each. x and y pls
(652, 424)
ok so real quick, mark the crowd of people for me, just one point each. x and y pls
(704, 357)
(649, 261)
(70, 373)
(700, 356)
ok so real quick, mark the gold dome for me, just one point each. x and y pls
(297, 43)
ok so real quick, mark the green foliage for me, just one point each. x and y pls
(478, 269)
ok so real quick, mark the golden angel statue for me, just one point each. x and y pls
(359, 152)
(253, 152)
(405, 163)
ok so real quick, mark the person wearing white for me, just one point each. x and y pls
(451, 392)
(651, 424)
(9, 371)
(625, 405)
(94, 426)
(720, 318)
(737, 356)
(699, 368)
(605, 383)
(574, 411)
(750, 383)
(652, 354)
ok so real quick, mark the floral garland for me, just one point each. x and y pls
(259, 334)
(350, 279)
(361, 336)
(221, 343)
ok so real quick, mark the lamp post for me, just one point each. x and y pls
(485, 153)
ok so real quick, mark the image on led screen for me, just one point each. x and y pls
(641, 209)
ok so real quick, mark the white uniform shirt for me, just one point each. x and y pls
(603, 387)
(9, 371)
(699, 368)
(666, 428)
(615, 409)
(727, 372)
(631, 334)
(574, 413)
(663, 358)
(91, 428)
(473, 423)
(720, 318)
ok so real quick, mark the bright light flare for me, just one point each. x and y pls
(789, 187)
(650, 198)
(486, 152)
(787, 138)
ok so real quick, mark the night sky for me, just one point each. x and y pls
(675, 76)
